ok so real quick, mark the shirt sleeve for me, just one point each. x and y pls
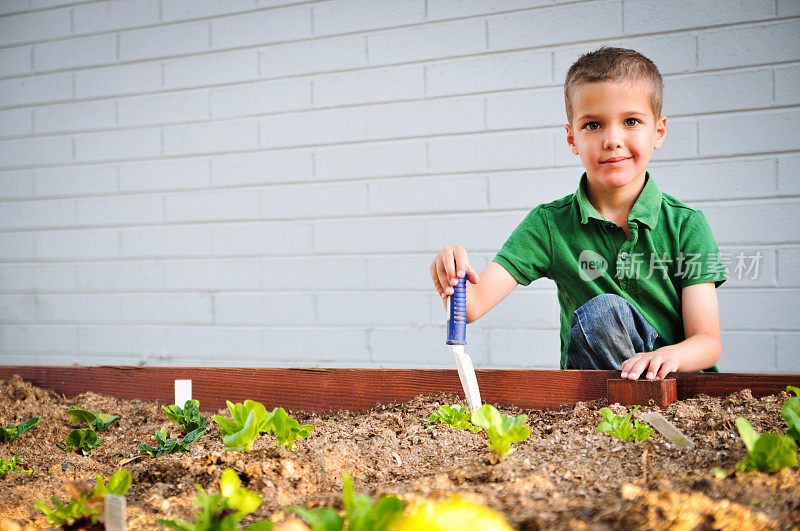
(700, 254)
(526, 255)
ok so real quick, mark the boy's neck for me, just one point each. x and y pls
(615, 204)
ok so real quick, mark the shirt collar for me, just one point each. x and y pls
(645, 209)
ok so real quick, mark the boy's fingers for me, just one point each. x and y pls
(444, 280)
(637, 369)
(655, 365)
(435, 278)
(448, 261)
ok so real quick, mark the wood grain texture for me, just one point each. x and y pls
(321, 390)
(659, 393)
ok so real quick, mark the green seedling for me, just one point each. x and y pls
(622, 427)
(502, 431)
(188, 418)
(286, 429)
(791, 414)
(249, 420)
(14, 464)
(362, 513)
(456, 416)
(224, 510)
(86, 503)
(97, 421)
(171, 446)
(767, 452)
(13, 431)
(84, 439)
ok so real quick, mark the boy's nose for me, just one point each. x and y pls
(612, 139)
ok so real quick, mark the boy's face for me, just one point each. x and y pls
(614, 131)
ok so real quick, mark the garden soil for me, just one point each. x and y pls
(567, 475)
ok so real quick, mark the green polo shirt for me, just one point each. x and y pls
(671, 246)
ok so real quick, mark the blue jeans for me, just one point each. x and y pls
(606, 331)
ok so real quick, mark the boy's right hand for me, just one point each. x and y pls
(449, 265)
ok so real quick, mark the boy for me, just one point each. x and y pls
(636, 269)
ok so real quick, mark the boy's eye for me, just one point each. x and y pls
(630, 122)
(592, 126)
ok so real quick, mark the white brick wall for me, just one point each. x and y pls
(265, 182)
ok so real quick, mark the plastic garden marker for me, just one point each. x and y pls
(114, 513)
(183, 391)
(668, 430)
(457, 337)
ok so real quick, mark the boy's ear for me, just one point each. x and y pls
(661, 131)
(571, 139)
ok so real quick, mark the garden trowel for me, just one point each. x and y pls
(457, 337)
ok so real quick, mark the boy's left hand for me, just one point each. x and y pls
(657, 364)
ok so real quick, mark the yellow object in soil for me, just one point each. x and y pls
(452, 513)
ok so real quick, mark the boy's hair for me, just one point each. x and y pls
(613, 64)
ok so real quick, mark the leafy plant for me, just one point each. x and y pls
(286, 429)
(84, 439)
(768, 452)
(456, 416)
(187, 418)
(14, 464)
(362, 513)
(97, 421)
(791, 413)
(86, 503)
(249, 419)
(12, 431)
(171, 446)
(224, 510)
(622, 427)
(502, 431)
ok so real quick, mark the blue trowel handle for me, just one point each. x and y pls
(457, 323)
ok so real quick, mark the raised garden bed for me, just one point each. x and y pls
(567, 475)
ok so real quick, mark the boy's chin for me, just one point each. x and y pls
(619, 180)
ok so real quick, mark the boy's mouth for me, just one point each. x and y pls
(614, 160)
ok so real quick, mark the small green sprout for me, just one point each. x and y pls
(456, 416)
(286, 429)
(97, 421)
(502, 431)
(14, 464)
(362, 513)
(84, 439)
(791, 413)
(622, 428)
(224, 510)
(768, 452)
(171, 446)
(187, 418)
(86, 505)
(249, 419)
(12, 431)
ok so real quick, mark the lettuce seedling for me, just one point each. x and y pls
(188, 418)
(97, 421)
(12, 431)
(501, 430)
(171, 446)
(14, 464)
(768, 452)
(362, 513)
(224, 510)
(84, 439)
(791, 414)
(249, 420)
(286, 429)
(456, 416)
(86, 503)
(622, 428)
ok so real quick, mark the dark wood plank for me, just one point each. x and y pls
(659, 393)
(323, 390)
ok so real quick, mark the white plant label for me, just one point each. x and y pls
(114, 513)
(183, 392)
